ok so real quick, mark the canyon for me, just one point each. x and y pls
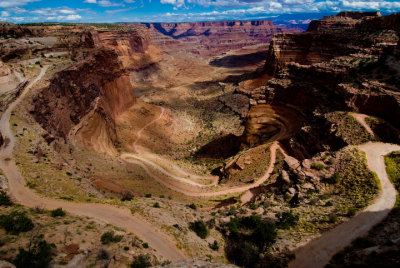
(263, 137)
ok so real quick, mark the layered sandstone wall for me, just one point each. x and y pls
(353, 68)
(213, 38)
(98, 83)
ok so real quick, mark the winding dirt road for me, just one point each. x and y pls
(121, 217)
(319, 252)
(315, 254)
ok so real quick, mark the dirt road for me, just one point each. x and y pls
(121, 217)
(318, 252)
(197, 190)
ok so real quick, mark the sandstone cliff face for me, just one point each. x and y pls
(134, 48)
(213, 38)
(341, 21)
(354, 68)
(100, 84)
(34, 40)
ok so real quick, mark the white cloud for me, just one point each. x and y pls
(67, 11)
(73, 17)
(107, 3)
(177, 3)
(90, 1)
(15, 3)
(5, 14)
(291, 6)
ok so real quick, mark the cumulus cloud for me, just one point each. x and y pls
(5, 14)
(291, 6)
(15, 3)
(108, 3)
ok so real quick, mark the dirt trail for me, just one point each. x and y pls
(121, 217)
(319, 252)
(361, 119)
(203, 191)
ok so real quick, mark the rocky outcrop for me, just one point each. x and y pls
(25, 41)
(332, 37)
(350, 68)
(100, 84)
(134, 47)
(345, 19)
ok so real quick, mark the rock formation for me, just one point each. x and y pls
(98, 83)
(213, 38)
(351, 68)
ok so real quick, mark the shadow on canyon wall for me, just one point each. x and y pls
(235, 61)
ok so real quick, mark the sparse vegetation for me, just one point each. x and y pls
(5, 199)
(141, 261)
(392, 162)
(109, 237)
(38, 254)
(59, 212)
(200, 228)
(287, 220)
(317, 166)
(349, 129)
(16, 222)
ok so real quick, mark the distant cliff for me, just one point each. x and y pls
(213, 38)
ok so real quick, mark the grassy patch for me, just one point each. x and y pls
(357, 183)
(349, 129)
(392, 162)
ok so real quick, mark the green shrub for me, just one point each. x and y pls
(156, 205)
(351, 212)
(59, 212)
(265, 234)
(214, 246)
(244, 254)
(200, 228)
(145, 245)
(141, 261)
(109, 237)
(5, 199)
(328, 204)
(334, 179)
(287, 220)
(317, 166)
(37, 256)
(192, 206)
(16, 222)
(147, 195)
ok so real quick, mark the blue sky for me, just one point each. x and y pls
(20, 11)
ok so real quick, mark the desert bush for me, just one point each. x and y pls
(192, 206)
(287, 220)
(317, 166)
(59, 212)
(334, 179)
(200, 228)
(36, 256)
(103, 254)
(109, 237)
(141, 261)
(244, 254)
(156, 205)
(214, 246)
(127, 196)
(5, 199)
(265, 234)
(16, 222)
